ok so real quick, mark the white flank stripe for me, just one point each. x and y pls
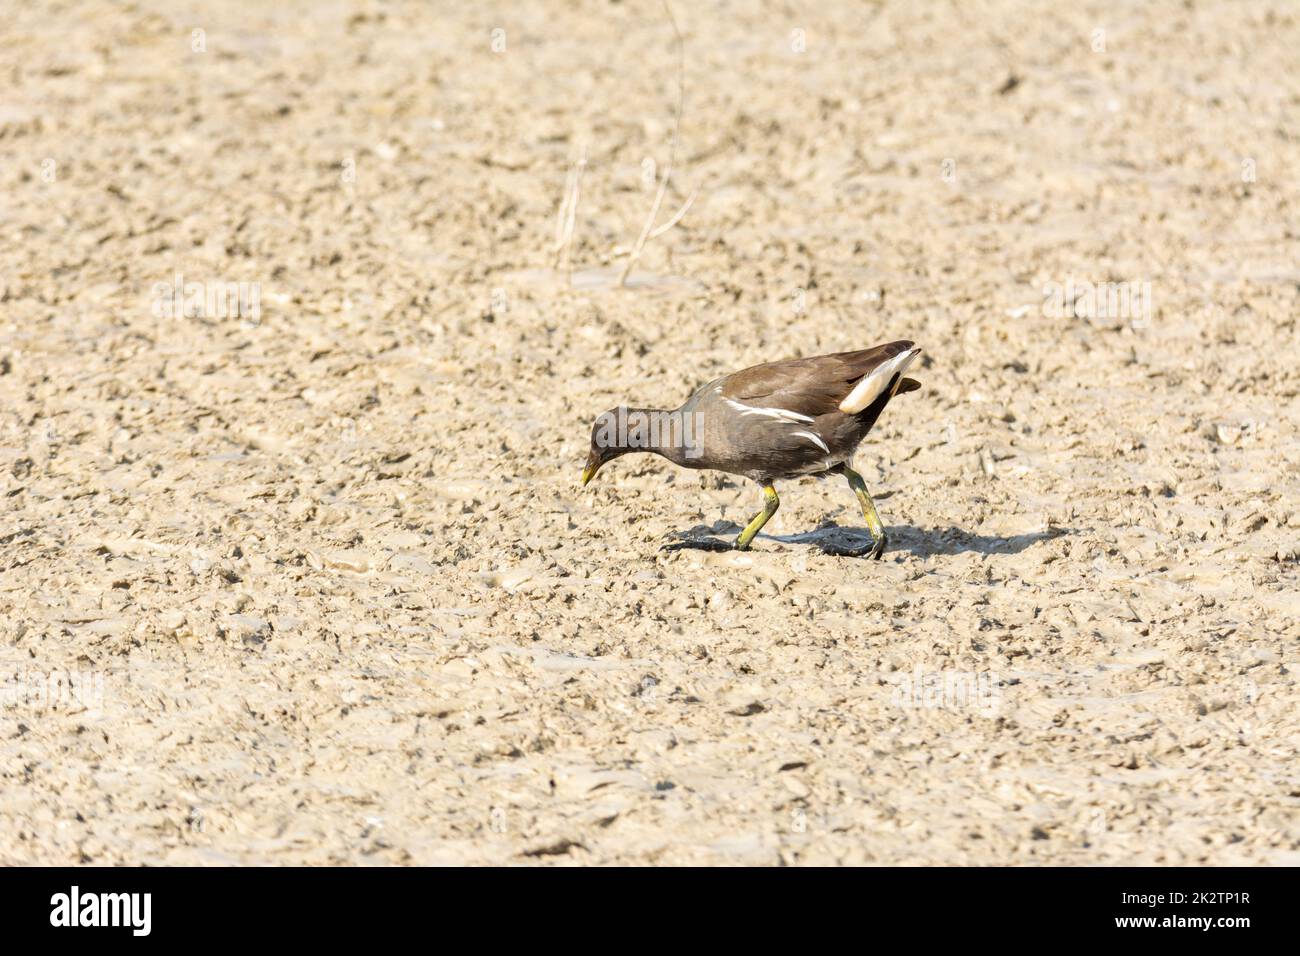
(869, 389)
(780, 414)
(814, 439)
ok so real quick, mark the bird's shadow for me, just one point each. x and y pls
(839, 541)
(702, 537)
(929, 542)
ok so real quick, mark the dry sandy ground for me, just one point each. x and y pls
(323, 580)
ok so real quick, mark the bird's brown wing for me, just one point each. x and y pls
(807, 386)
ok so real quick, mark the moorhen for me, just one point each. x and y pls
(770, 422)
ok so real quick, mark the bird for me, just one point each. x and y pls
(770, 423)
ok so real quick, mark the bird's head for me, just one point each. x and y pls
(609, 440)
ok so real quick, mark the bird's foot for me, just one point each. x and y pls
(859, 546)
(878, 548)
(696, 544)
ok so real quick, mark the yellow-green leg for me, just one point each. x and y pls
(770, 503)
(874, 524)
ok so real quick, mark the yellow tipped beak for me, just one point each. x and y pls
(592, 466)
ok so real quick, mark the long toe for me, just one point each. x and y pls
(879, 547)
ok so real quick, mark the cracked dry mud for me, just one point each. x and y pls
(328, 577)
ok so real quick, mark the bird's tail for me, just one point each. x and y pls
(877, 380)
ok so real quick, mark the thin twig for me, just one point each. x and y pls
(567, 215)
(562, 215)
(676, 218)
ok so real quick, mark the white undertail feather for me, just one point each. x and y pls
(870, 387)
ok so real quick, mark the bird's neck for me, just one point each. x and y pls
(670, 433)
